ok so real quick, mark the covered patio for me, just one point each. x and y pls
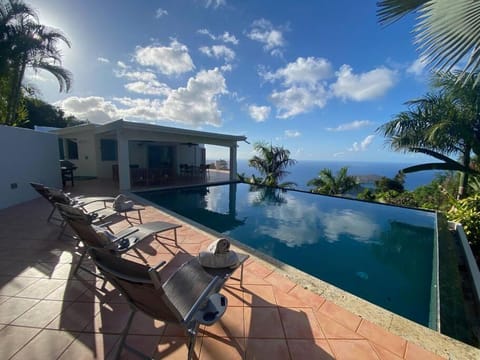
(134, 154)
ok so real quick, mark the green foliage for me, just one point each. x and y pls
(272, 162)
(443, 124)
(467, 212)
(386, 184)
(25, 43)
(366, 194)
(329, 184)
(447, 32)
(41, 113)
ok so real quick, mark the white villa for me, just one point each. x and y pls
(136, 153)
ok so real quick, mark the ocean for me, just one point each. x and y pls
(305, 170)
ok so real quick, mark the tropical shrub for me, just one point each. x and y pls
(467, 212)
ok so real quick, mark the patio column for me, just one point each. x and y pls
(123, 161)
(233, 162)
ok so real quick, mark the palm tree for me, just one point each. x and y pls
(271, 162)
(447, 31)
(26, 43)
(329, 184)
(441, 124)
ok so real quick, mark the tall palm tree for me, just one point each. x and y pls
(329, 184)
(447, 31)
(26, 43)
(271, 162)
(441, 124)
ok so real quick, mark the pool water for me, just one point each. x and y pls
(381, 253)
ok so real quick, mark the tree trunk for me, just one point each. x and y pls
(462, 187)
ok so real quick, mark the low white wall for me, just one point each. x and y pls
(26, 156)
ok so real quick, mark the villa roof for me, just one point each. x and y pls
(142, 131)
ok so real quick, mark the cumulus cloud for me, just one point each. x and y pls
(225, 37)
(365, 86)
(272, 39)
(292, 133)
(195, 104)
(152, 87)
(354, 125)
(142, 82)
(304, 86)
(219, 51)
(259, 113)
(297, 100)
(304, 71)
(160, 12)
(417, 67)
(103, 60)
(89, 108)
(363, 145)
(169, 60)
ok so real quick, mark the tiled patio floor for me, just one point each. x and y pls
(45, 313)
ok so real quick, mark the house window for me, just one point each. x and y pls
(72, 150)
(108, 149)
(60, 149)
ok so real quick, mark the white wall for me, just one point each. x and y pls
(26, 156)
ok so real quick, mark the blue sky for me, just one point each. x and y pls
(317, 77)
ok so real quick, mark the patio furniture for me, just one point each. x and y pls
(67, 169)
(53, 196)
(98, 237)
(189, 297)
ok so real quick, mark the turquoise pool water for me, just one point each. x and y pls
(381, 253)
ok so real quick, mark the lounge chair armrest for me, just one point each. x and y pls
(152, 272)
(202, 299)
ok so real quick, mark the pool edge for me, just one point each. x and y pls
(427, 338)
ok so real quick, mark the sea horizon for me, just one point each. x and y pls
(305, 170)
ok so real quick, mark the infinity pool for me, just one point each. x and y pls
(381, 253)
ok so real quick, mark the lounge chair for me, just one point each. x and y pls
(189, 297)
(53, 196)
(99, 237)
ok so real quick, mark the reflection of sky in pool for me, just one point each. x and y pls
(380, 253)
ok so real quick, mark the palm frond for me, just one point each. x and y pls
(390, 11)
(449, 31)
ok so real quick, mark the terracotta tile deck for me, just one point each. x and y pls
(45, 313)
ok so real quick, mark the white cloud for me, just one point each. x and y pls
(228, 38)
(171, 60)
(153, 87)
(225, 37)
(354, 125)
(219, 51)
(215, 3)
(304, 71)
(417, 67)
(364, 86)
(259, 113)
(297, 100)
(292, 133)
(122, 65)
(160, 12)
(272, 39)
(196, 104)
(135, 75)
(364, 144)
(103, 60)
(93, 108)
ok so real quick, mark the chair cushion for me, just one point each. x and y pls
(104, 235)
(224, 260)
(121, 203)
